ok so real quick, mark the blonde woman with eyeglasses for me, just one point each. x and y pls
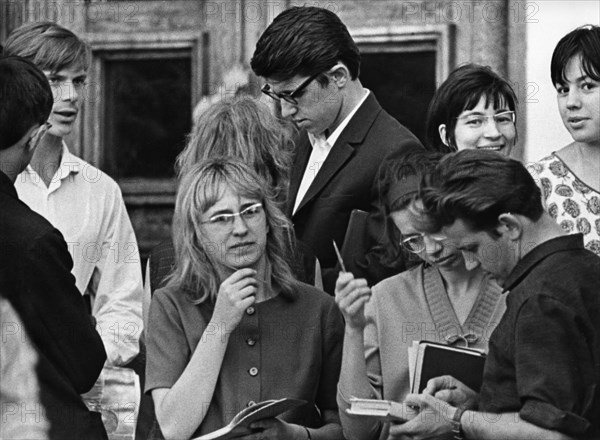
(445, 299)
(233, 327)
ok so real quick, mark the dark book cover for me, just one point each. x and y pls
(434, 360)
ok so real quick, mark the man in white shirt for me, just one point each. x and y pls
(311, 64)
(82, 202)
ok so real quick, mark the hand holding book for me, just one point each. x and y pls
(452, 391)
(429, 360)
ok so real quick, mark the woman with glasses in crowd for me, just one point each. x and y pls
(473, 108)
(232, 326)
(445, 299)
(244, 128)
(570, 177)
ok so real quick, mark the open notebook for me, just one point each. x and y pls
(240, 424)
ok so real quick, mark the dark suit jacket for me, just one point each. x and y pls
(347, 180)
(35, 277)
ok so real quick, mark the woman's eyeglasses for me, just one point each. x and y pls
(250, 215)
(477, 121)
(416, 243)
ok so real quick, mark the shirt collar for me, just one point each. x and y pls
(69, 163)
(333, 137)
(539, 253)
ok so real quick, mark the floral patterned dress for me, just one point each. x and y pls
(574, 205)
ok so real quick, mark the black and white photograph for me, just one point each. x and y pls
(299, 220)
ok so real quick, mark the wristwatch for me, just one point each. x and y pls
(456, 425)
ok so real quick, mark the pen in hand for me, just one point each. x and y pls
(339, 257)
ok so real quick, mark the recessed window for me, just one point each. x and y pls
(147, 113)
(403, 66)
(403, 82)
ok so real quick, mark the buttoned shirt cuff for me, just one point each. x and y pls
(547, 416)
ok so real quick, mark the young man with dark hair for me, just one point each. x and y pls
(542, 374)
(311, 66)
(51, 352)
(89, 211)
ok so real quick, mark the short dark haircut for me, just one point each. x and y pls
(304, 41)
(583, 41)
(477, 186)
(461, 91)
(48, 45)
(25, 99)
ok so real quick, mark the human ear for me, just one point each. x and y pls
(510, 225)
(442, 132)
(340, 74)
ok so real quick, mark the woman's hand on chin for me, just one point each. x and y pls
(236, 294)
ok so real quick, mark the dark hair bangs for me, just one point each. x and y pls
(591, 66)
(497, 94)
(583, 42)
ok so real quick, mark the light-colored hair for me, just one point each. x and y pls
(243, 128)
(201, 187)
(48, 45)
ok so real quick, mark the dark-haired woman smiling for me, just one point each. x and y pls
(473, 108)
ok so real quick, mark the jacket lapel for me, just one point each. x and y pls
(351, 137)
(301, 155)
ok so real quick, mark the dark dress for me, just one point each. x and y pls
(282, 347)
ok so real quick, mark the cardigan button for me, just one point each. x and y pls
(253, 371)
(251, 342)
(250, 310)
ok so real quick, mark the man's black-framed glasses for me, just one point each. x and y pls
(289, 97)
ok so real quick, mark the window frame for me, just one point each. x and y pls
(110, 47)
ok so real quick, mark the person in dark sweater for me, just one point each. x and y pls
(57, 342)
